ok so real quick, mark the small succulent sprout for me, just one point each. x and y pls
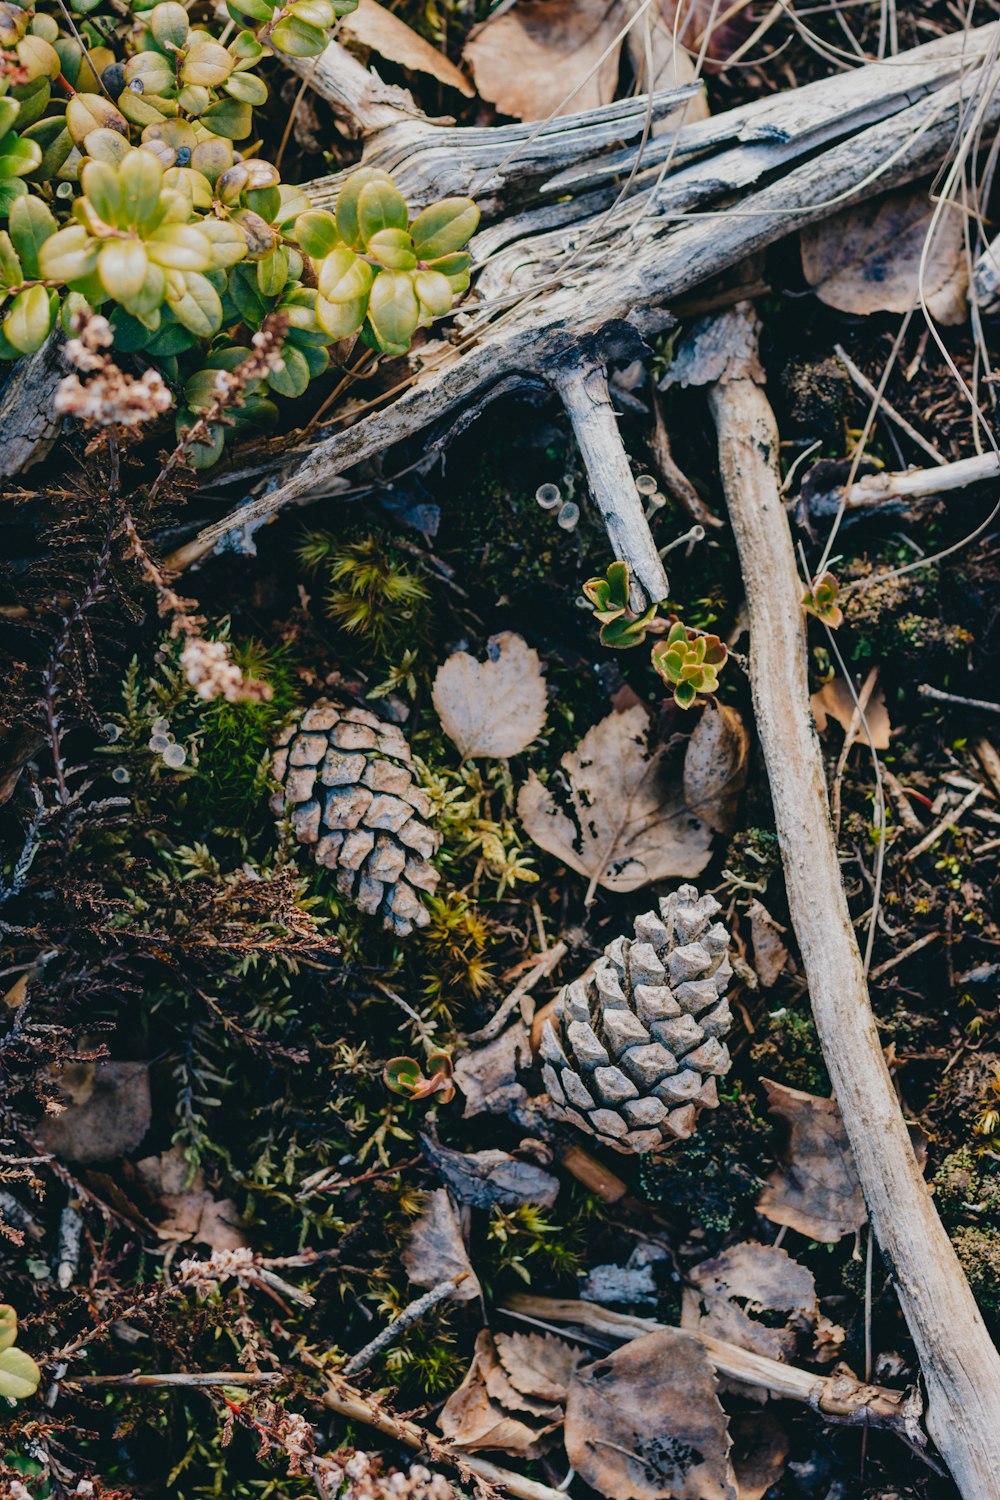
(690, 662)
(404, 1075)
(19, 1375)
(621, 627)
(821, 601)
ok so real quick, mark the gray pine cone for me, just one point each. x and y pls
(349, 791)
(632, 1050)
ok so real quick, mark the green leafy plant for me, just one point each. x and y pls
(621, 627)
(19, 1375)
(690, 662)
(821, 600)
(404, 1075)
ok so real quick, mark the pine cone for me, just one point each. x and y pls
(349, 790)
(631, 1050)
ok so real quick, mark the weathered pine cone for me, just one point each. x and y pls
(349, 791)
(631, 1051)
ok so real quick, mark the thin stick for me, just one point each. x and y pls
(547, 961)
(939, 696)
(915, 484)
(903, 954)
(220, 1377)
(583, 387)
(410, 1315)
(863, 383)
(841, 1398)
(348, 1402)
(950, 820)
(960, 1366)
(988, 759)
(863, 700)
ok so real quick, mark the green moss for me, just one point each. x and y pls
(788, 1049)
(709, 1179)
(978, 1251)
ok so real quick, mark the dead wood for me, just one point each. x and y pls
(29, 420)
(547, 291)
(961, 1367)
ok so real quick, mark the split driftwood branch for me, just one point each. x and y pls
(960, 1366)
(838, 1398)
(903, 488)
(736, 184)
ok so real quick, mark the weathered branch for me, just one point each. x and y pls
(839, 1398)
(634, 266)
(28, 417)
(910, 485)
(961, 1367)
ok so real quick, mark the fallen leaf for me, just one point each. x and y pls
(190, 1213)
(769, 952)
(435, 1250)
(645, 1423)
(475, 1420)
(540, 58)
(816, 1190)
(538, 1364)
(867, 259)
(484, 1179)
(715, 766)
(372, 26)
(489, 1076)
(493, 708)
(738, 1296)
(625, 827)
(760, 1447)
(834, 701)
(107, 1115)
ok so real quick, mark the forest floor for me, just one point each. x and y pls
(204, 1169)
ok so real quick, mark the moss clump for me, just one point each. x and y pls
(962, 1188)
(819, 395)
(978, 1251)
(708, 1179)
(901, 618)
(789, 1051)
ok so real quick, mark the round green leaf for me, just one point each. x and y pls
(68, 255)
(199, 309)
(444, 227)
(393, 311)
(344, 276)
(433, 292)
(341, 320)
(293, 377)
(30, 319)
(19, 1375)
(18, 155)
(122, 266)
(297, 38)
(206, 65)
(380, 206)
(180, 247)
(31, 224)
(169, 24)
(393, 248)
(316, 233)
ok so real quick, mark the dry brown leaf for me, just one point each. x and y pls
(731, 1290)
(474, 1420)
(547, 57)
(816, 1190)
(834, 701)
(715, 766)
(190, 1212)
(493, 708)
(435, 1250)
(760, 1447)
(539, 1365)
(489, 1076)
(372, 26)
(485, 1179)
(625, 827)
(645, 1423)
(769, 952)
(107, 1115)
(867, 259)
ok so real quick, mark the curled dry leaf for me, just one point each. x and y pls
(489, 1076)
(190, 1213)
(538, 1365)
(107, 1111)
(816, 1190)
(376, 28)
(489, 1411)
(715, 766)
(485, 1179)
(435, 1250)
(622, 826)
(769, 952)
(734, 1293)
(493, 708)
(834, 701)
(876, 257)
(645, 1423)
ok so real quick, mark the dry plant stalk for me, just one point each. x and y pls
(961, 1367)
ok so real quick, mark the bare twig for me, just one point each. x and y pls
(912, 484)
(840, 1398)
(988, 759)
(547, 961)
(864, 384)
(218, 1377)
(410, 1315)
(961, 1367)
(938, 695)
(950, 820)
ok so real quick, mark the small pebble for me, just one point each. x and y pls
(569, 515)
(174, 756)
(548, 496)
